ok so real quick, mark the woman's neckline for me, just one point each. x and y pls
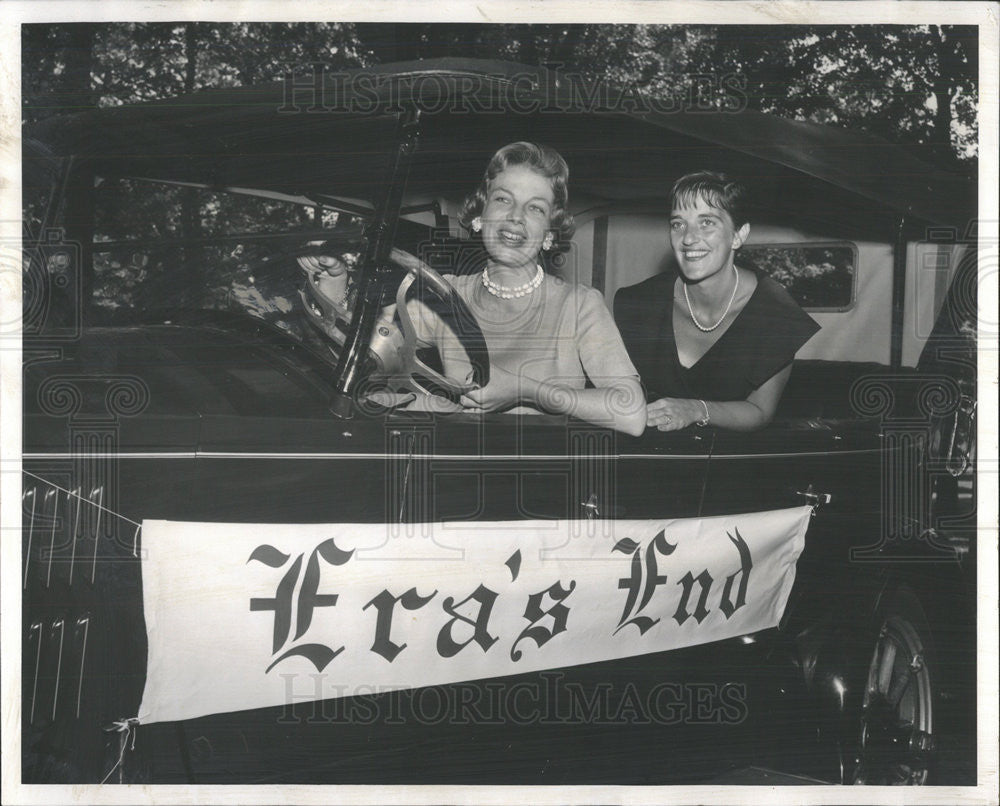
(713, 345)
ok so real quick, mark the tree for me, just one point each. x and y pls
(915, 85)
(912, 84)
(118, 63)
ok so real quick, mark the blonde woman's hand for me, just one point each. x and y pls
(504, 390)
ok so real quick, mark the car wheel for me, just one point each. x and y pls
(897, 716)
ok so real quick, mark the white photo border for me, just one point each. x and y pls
(984, 15)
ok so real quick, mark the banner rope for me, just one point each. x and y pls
(124, 727)
(72, 494)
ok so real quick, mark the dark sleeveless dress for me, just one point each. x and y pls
(761, 341)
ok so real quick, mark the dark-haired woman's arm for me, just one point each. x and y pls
(672, 414)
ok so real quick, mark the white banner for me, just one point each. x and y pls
(243, 616)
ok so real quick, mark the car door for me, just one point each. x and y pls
(504, 467)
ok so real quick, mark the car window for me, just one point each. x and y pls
(135, 209)
(819, 276)
(164, 246)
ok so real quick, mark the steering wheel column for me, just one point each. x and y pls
(392, 359)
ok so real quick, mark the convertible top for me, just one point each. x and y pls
(332, 138)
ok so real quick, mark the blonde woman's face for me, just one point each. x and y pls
(517, 216)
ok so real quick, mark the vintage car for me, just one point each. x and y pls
(186, 394)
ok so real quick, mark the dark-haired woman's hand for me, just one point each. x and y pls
(673, 414)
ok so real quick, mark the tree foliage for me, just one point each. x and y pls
(912, 84)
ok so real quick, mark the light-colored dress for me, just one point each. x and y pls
(562, 334)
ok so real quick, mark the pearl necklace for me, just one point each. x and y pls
(505, 292)
(725, 313)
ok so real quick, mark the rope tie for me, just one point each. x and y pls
(125, 728)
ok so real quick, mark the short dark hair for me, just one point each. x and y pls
(718, 191)
(545, 161)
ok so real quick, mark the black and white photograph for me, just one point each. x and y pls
(557, 403)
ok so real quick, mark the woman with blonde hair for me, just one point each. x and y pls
(553, 344)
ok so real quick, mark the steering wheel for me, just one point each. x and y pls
(393, 347)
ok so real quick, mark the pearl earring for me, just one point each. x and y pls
(477, 224)
(547, 243)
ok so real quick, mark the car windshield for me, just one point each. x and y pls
(161, 246)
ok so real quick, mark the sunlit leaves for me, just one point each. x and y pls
(876, 78)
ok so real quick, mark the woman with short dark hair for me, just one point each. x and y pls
(713, 342)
